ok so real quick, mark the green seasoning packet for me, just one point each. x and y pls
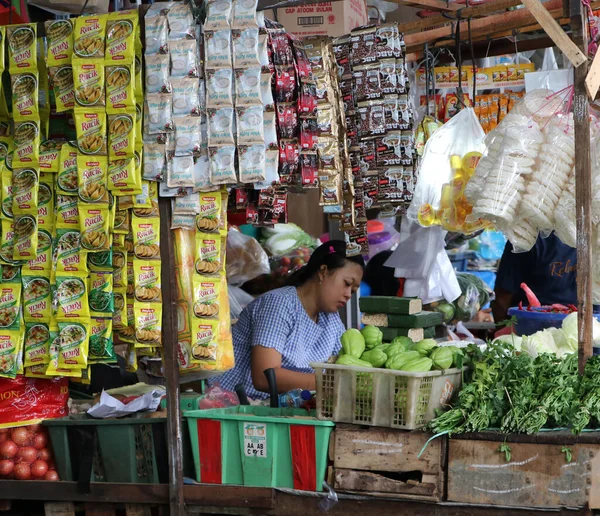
(37, 299)
(71, 294)
(37, 344)
(101, 261)
(10, 306)
(101, 344)
(101, 294)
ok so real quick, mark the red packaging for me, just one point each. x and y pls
(287, 119)
(285, 84)
(289, 161)
(310, 169)
(309, 131)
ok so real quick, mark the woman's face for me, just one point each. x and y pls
(338, 286)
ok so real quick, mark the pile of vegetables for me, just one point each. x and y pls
(365, 349)
(518, 393)
(25, 454)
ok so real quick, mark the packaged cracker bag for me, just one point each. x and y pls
(206, 297)
(91, 179)
(10, 305)
(210, 254)
(88, 84)
(63, 86)
(148, 324)
(146, 238)
(89, 36)
(101, 347)
(22, 47)
(25, 191)
(72, 298)
(122, 178)
(69, 256)
(119, 89)
(101, 294)
(120, 314)
(46, 218)
(93, 224)
(205, 333)
(121, 135)
(27, 144)
(59, 37)
(146, 281)
(25, 96)
(67, 212)
(11, 347)
(50, 154)
(37, 298)
(122, 222)
(66, 180)
(74, 344)
(36, 344)
(25, 237)
(209, 219)
(100, 262)
(90, 126)
(43, 260)
(121, 30)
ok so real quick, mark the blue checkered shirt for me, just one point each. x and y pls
(278, 320)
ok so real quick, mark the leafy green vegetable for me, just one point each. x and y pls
(505, 448)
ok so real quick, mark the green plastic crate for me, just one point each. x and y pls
(259, 446)
(128, 450)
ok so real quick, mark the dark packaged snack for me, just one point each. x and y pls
(309, 169)
(309, 133)
(289, 161)
(386, 37)
(302, 62)
(388, 149)
(347, 94)
(331, 191)
(371, 119)
(367, 82)
(352, 137)
(287, 120)
(357, 241)
(371, 189)
(359, 203)
(307, 103)
(391, 185)
(285, 84)
(329, 153)
(282, 50)
(354, 159)
(240, 199)
(367, 155)
(341, 50)
(405, 119)
(388, 76)
(251, 213)
(392, 115)
(364, 48)
(402, 84)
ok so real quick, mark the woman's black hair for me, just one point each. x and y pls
(380, 278)
(332, 254)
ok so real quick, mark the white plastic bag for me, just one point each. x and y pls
(246, 259)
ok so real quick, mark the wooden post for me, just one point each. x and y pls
(171, 364)
(583, 179)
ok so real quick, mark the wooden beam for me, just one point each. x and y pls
(553, 29)
(434, 5)
(592, 81)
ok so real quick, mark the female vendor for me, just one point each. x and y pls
(287, 328)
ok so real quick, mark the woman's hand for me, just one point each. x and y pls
(264, 358)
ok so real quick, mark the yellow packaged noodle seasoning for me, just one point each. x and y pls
(112, 209)
(67, 212)
(10, 305)
(69, 256)
(121, 175)
(43, 260)
(27, 144)
(88, 84)
(7, 145)
(130, 312)
(91, 179)
(7, 242)
(22, 47)
(46, 216)
(66, 180)
(121, 135)
(59, 38)
(37, 298)
(89, 36)
(205, 334)
(210, 256)
(101, 294)
(25, 237)
(50, 154)
(121, 30)
(25, 191)
(54, 349)
(11, 274)
(207, 291)
(38, 371)
(122, 222)
(10, 352)
(25, 96)
(120, 313)
(72, 298)
(119, 240)
(148, 324)
(101, 341)
(119, 88)
(146, 281)
(119, 260)
(90, 126)
(93, 223)
(130, 276)
(74, 344)
(36, 344)
(7, 194)
(63, 86)
(209, 218)
(100, 262)
(146, 238)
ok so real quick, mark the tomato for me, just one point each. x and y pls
(39, 469)
(27, 454)
(21, 436)
(285, 261)
(44, 454)
(34, 429)
(22, 471)
(40, 441)
(51, 475)
(6, 467)
(8, 450)
(297, 262)
(3, 437)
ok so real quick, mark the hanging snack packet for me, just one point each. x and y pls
(206, 297)
(90, 126)
(91, 172)
(122, 176)
(61, 82)
(93, 224)
(72, 299)
(142, 200)
(245, 48)
(25, 191)
(25, 237)
(46, 216)
(27, 144)
(43, 262)
(187, 136)
(37, 298)
(138, 81)
(119, 261)
(217, 47)
(158, 113)
(146, 238)
(157, 74)
(148, 324)
(69, 256)
(101, 294)
(7, 242)
(219, 87)
(37, 344)
(185, 96)
(250, 125)
(205, 334)
(157, 32)
(119, 89)
(120, 36)
(67, 211)
(7, 194)
(119, 317)
(101, 343)
(122, 222)
(222, 165)
(66, 180)
(208, 220)
(209, 254)
(121, 135)
(183, 58)
(50, 154)
(181, 22)
(59, 37)
(88, 82)
(252, 163)
(146, 281)
(89, 36)
(154, 162)
(128, 279)
(10, 305)
(22, 47)
(220, 126)
(10, 353)
(25, 90)
(6, 147)
(74, 344)
(100, 262)
(244, 14)
(248, 86)
(218, 14)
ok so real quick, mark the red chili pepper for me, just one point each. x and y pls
(573, 308)
(559, 307)
(531, 298)
(520, 305)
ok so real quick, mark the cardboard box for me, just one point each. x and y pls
(325, 18)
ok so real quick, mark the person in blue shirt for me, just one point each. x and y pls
(288, 328)
(548, 269)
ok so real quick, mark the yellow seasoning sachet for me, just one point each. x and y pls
(88, 84)
(121, 135)
(90, 127)
(74, 344)
(204, 342)
(22, 47)
(37, 298)
(146, 281)
(63, 86)
(7, 193)
(66, 180)
(146, 237)
(120, 314)
(119, 88)
(67, 212)
(25, 189)
(89, 36)
(70, 259)
(101, 297)
(25, 237)
(7, 242)
(207, 291)
(46, 215)
(72, 298)
(50, 154)
(10, 350)
(27, 144)
(59, 37)
(93, 224)
(148, 324)
(121, 30)
(25, 96)
(91, 179)
(42, 263)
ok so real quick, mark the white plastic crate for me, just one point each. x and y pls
(382, 397)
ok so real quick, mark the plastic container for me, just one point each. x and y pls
(260, 447)
(530, 322)
(382, 397)
(128, 450)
